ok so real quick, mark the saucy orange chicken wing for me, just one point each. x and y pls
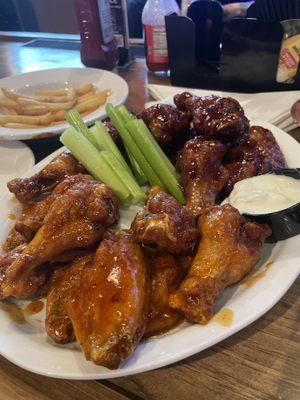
(76, 219)
(27, 190)
(109, 311)
(64, 283)
(166, 273)
(230, 247)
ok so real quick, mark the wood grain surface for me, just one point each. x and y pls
(262, 362)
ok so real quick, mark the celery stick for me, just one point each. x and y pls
(155, 159)
(136, 192)
(91, 158)
(144, 128)
(105, 141)
(138, 173)
(75, 119)
(130, 144)
(124, 113)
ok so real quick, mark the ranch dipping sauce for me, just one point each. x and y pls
(264, 194)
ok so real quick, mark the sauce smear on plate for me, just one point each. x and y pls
(251, 279)
(224, 317)
(34, 307)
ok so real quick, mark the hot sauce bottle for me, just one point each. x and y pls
(153, 19)
(98, 46)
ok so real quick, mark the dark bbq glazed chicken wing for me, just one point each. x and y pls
(230, 247)
(224, 120)
(201, 172)
(260, 154)
(76, 219)
(165, 224)
(190, 103)
(165, 122)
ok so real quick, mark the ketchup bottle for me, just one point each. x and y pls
(153, 19)
(98, 46)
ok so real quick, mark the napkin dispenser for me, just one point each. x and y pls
(239, 55)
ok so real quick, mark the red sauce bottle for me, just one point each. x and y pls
(98, 46)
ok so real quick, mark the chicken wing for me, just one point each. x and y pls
(260, 154)
(230, 247)
(63, 284)
(76, 219)
(108, 313)
(165, 122)
(165, 224)
(27, 190)
(223, 119)
(166, 273)
(202, 175)
(190, 104)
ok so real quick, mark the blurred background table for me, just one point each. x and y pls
(260, 362)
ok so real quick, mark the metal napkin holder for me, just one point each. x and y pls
(240, 55)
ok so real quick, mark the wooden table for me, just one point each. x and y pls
(260, 362)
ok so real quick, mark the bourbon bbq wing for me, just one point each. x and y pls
(76, 219)
(109, 311)
(230, 247)
(165, 224)
(202, 175)
(260, 154)
(166, 122)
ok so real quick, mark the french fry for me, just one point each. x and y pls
(51, 106)
(33, 110)
(8, 111)
(20, 126)
(84, 89)
(85, 97)
(91, 104)
(59, 92)
(59, 122)
(26, 119)
(59, 115)
(8, 103)
(70, 95)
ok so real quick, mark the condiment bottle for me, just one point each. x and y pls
(153, 19)
(290, 52)
(98, 46)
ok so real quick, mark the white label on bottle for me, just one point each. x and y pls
(157, 48)
(105, 20)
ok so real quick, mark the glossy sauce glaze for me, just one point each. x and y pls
(34, 307)
(255, 276)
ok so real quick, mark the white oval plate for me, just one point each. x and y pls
(52, 79)
(15, 160)
(28, 346)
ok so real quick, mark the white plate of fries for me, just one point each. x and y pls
(33, 105)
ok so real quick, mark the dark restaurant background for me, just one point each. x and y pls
(58, 16)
